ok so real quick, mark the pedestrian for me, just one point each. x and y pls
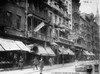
(15, 60)
(21, 62)
(41, 65)
(50, 61)
(35, 63)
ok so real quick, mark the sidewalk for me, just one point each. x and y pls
(30, 69)
(48, 67)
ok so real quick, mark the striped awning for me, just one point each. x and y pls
(22, 46)
(42, 51)
(50, 51)
(86, 52)
(1, 48)
(9, 45)
(63, 51)
(70, 52)
(92, 54)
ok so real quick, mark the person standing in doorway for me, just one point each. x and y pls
(41, 65)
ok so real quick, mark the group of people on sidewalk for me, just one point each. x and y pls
(19, 62)
(40, 63)
(37, 62)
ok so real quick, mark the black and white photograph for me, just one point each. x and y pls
(49, 37)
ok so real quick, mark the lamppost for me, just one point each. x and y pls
(63, 55)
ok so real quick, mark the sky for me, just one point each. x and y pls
(90, 6)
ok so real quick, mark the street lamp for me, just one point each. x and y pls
(62, 55)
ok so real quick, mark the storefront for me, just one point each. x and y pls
(63, 53)
(10, 52)
(40, 51)
(50, 51)
(71, 55)
(66, 55)
(88, 55)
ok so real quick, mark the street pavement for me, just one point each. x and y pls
(68, 68)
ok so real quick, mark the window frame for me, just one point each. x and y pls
(18, 22)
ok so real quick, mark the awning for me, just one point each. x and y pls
(9, 45)
(42, 51)
(70, 52)
(92, 54)
(30, 46)
(63, 51)
(1, 48)
(50, 51)
(86, 52)
(22, 46)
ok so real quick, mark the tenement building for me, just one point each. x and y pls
(82, 32)
(85, 36)
(36, 28)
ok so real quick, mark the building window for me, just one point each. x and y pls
(49, 31)
(9, 19)
(55, 18)
(64, 21)
(70, 8)
(29, 23)
(79, 41)
(59, 21)
(18, 21)
(50, 14)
